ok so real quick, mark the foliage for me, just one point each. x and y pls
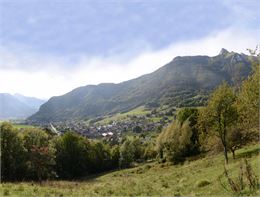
(40, 155)
(12, 154)
(175, 142)
(137, 129)
(100, 157)
(220, 114)
(248, 102)
(188, 113)
(247, 179)
(191, 114)
(150, 151)
(126, 154)
(72, 155)
(130, 151)
(151, 179)
(236, 138)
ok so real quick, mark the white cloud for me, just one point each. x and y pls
(45, 76)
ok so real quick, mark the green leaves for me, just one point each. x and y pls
(248, 102)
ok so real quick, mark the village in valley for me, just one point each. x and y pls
(111, 128)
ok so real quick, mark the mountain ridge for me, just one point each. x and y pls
(181, 79)
(18, 106)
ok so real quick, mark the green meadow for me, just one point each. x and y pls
(194, 178)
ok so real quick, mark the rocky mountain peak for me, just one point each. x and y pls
(223, 52)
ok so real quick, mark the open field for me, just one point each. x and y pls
(121, 116)
(22, 126)
(147, 180)
(139, 111)
(19, 126)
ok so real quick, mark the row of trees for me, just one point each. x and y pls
(35, 154)
(229, 121)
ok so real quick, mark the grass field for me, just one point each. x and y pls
(22, 126)
(151, 179)
(121, 116)
(18, 126)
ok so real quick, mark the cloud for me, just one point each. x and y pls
(45, 76)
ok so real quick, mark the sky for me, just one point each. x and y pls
(49, 47)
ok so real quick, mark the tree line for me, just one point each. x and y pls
(37, 154)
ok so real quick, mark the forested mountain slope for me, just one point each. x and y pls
(182, 82)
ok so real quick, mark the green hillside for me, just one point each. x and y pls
(194, 178)
(185, 81)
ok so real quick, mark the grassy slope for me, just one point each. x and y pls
(139, 111)
(120, 116)
(148, 179)
(22, 126)
(18, 126)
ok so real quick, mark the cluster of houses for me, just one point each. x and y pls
(136, 124)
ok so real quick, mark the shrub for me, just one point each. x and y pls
(202, 183)
(247, 180)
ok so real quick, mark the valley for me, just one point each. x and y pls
(129, 98)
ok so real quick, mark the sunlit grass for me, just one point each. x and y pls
(121, 116)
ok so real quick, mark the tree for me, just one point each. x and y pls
(42, 161)
(236, 138)
(130, 151)
(12, 154)
(101, 158)
(40, 154)
(73, 154)
(149, 151)
(248, 102)
(115, 155)
(126, 154)
(175, 142)
(191, 114)
(220, 114)
(137, 129)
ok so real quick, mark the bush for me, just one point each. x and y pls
(202, 183)
(247, 180)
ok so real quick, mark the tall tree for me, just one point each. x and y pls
(40, 154)
(248, 102)
(221, 113)
(72, 155)
(12, 154)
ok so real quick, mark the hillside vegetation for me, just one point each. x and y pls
(194, 178)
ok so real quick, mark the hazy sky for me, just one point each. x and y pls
(49, 47)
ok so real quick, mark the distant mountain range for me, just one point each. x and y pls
(185, 81)
(18, 106)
